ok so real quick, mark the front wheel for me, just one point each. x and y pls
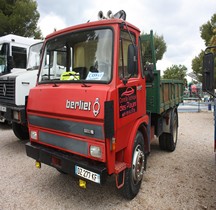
(134, 175)
(20, 131)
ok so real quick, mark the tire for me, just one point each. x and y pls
(20, 131)
(134, 175)
(168, 141)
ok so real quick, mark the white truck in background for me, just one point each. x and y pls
(14, 88)
(13, 53)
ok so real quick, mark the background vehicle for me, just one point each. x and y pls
(13, 53)
(14, 88)
(102, 106)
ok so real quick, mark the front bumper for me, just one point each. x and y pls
(66, 162)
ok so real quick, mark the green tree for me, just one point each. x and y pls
(175, 72)
(160, 48)
(19, 17)
(197, 65)
(207, 30)
(208, 34)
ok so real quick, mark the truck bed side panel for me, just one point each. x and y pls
(163, 94)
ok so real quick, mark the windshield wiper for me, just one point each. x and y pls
(32, 68)
(47, 75)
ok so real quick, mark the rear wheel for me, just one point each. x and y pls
(134, 175)
(20, 131)
(168, 141)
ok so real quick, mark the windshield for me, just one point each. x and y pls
(3, 57)
(84, 56)
(34, 56)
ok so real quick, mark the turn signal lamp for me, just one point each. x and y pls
(95, 151)
(113, 146)
(33, 135)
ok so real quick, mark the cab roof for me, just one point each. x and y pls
(18, 39)
(103, 22)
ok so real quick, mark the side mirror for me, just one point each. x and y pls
(132, 59)
(149, 73)
(208, 72)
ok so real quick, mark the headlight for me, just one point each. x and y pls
(95, 151)
(33, 135)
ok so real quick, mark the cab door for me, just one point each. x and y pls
(131, 98)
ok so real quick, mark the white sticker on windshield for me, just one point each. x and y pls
(94, 76)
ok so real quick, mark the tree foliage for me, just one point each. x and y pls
(19, 17)
(175, 72)
(197, 65)
(160, 48)
(208, 34)
(207, 30)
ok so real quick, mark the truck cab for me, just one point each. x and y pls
(13, 53)
(87, 116)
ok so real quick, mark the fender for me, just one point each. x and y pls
(129, 149)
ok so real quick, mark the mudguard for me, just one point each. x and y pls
(128, 151)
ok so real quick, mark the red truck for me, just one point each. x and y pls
(96, 108)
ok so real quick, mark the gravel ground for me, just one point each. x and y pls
(184, 179)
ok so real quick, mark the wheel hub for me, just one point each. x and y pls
(138, 164)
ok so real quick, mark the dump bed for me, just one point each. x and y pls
(163, 94)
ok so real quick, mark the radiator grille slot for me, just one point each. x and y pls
(7, 91)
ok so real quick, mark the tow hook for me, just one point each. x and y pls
(82, 183)
(38, 164)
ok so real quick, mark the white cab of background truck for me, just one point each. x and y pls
(13, 53)
(14, 88)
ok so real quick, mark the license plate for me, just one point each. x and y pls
(3, 109)
(94, 177)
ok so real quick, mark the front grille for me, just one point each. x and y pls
(7, 91)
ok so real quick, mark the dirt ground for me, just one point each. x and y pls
(184, 179)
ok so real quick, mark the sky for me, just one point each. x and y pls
(178, 21)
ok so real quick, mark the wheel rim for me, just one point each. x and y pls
(138, 164)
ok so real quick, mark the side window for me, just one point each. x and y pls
(19, 57)
(125, 41)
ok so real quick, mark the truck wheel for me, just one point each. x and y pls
(20, 131)
(134, 175)
(168, 141)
